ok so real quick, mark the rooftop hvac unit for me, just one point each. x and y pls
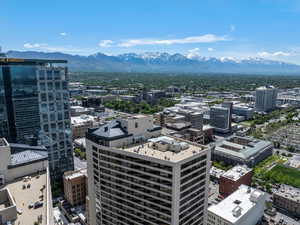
(237, 211)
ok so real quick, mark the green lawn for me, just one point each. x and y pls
(284, 175)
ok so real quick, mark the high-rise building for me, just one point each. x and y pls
(34, 108)
(221, 117)
(137, 176)
(265, 99)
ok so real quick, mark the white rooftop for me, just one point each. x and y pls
(81, 119)
(77, 173)
(167, 149)
(236, 172)
(238, 204)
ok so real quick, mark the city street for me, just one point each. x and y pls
(79, 164)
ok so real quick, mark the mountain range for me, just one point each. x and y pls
(163, 62)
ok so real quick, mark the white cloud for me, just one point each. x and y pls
(232, 28)
(63, 34)
(106, 43)
(210, 49)
(193, 53)
(47, 48)
(273, 54)
(36, 45)
(207, 38)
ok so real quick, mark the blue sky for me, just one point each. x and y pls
(220, 28)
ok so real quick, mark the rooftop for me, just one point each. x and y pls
(295, 161)
(242, 147)
(237, 204)
(289, 192)
(166, 148)
(27, 156)
(74, 174)
(3, 142)
(268, 87)
(24, 197)
(236, 172)
(81, 119)
(215, 172)
(30, 61)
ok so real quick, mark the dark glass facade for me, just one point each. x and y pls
(34, 109)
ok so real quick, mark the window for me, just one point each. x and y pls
(136, 125)
(42, 75)
(43, 97)
(49, 75)
(57, 86)
(57, 75)
(42, 86)
(50, 86)
(50, 96)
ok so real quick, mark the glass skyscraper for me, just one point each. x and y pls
(34, 108)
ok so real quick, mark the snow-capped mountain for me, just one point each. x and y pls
(164, 62)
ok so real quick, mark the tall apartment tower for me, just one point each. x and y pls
(137, 177)
(265, 99)
(34, 108)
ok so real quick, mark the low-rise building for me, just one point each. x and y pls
(25, 194)
(243, 207)
(294, 162)
(233, 178)
(242, 150)
(79, 110)
(75, 186)
(81, 124)
(215, 173)
(243, 110)
(287, 198)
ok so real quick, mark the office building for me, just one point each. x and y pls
(221, 117)
(75, 187)
(287, 198)
(137, 176)
(25, 190)
(233, 178)
(34, 108)
(196, 120)
(81, 124)
(236, 150)
(265, 99)
(243, 110)
(243, 207)
(79, 110)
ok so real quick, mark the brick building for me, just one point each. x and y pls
(233, 178)
(75, 186)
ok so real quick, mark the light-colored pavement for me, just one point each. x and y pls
(79, 164)
(29, 195)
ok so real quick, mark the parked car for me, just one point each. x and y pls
(38, 205)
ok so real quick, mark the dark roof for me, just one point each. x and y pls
(15, 148)
(26, 157)
(112, 129)
(29, 61)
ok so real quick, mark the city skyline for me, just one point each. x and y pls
(261, 28)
